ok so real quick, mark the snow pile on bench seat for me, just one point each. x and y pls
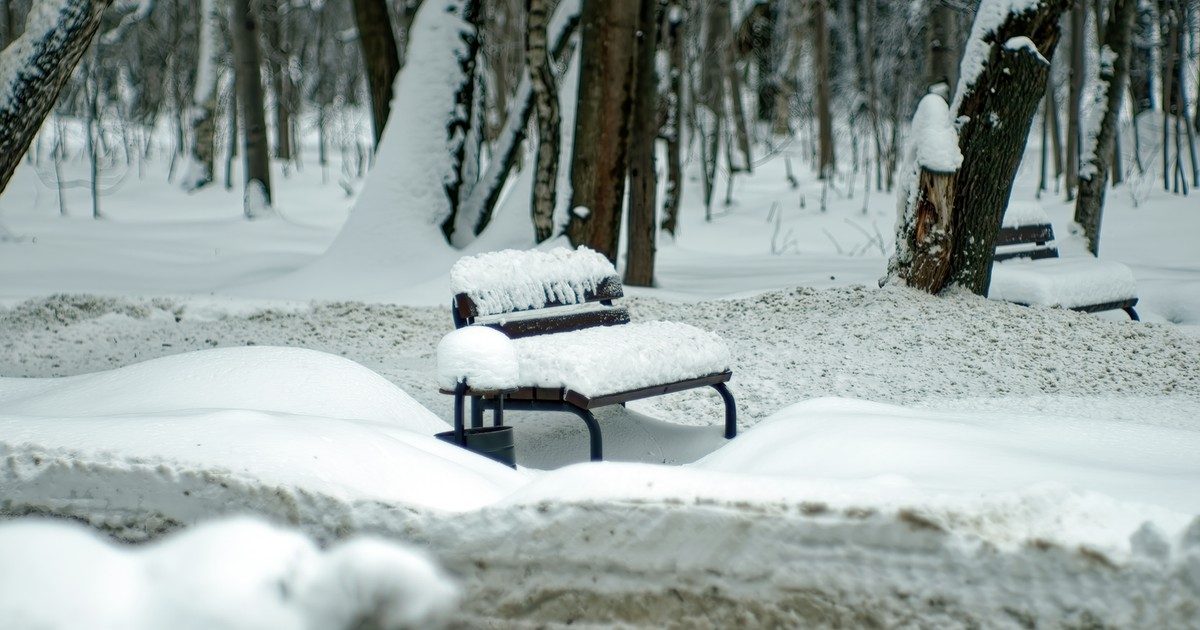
(237, 574)
(608, 360)
(1062, 282)
(515, 280)
(1021, 213)
(479, 356)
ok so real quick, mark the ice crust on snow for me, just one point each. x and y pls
(236, 574)
(514, 280)
(612, 359)
(1062, 282)
(481, 357)
(935, 140)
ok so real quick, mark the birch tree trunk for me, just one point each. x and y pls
(643, 180)
(380, 57)
(54, 42)
(204, 99)
(1098, 142)
(998, 103)
(244, 32)
(545, 98)
(605, 101)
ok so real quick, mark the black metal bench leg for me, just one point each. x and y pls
(597, 442)
(476, 412)
(730, 410)
(459, 433)
(1132, 313)
(498, 412)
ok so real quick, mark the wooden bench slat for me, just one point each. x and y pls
(1024, 234)
(517, 328)
(1031, 254)
(579, 400)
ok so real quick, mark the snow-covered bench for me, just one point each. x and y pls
(1028, 270)
(569, 348)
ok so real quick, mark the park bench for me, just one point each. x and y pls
(1028, 270)
(574, 349)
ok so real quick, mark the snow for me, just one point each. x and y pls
(934, 138)
(1026, 44)
(18, 59)
(1095, 114)
(479, 356)
(612, 359)
(990, 15)
(1062, 282)
(292, 433)
(224, 575)
(512, 280)
(1022, 213)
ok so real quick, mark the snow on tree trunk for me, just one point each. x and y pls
(924, 234)
(395, 234)
(198, 172)
(35, 67)
(1002, 81)
(1101, 129)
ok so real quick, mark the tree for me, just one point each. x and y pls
(37, 65)
(244, 33)
(942, 65)
(199, 172)
(1075, 95)
(1003, 79)
(605, 100)
(545, 98)
(380, 57)
(643, 180)
(1102, 129)
(821, 69)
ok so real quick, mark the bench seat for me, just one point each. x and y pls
(601, 361)
(1072, 283)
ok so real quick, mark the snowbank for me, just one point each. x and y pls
(237, 574)
(174, 441)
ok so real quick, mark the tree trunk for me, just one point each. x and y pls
(204, 98)
(712, 94)
(545, 98)
(1141, 61)
(825, 161)
(1007, 89)
(1075, 97)
(674, 133)
(476, 212)
(643, 179)
(605, 100)
(244, 32)
(943, 45)
(278, 62)
(1098, 149)
(380, 58)
(56, 40)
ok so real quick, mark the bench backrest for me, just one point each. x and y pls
(535, 292)
(1026, 241)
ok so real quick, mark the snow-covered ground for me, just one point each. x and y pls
(1013, 466)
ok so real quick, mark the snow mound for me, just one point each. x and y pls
(1019, 213)
(220, 431)
(480, 356)
(274, 379)
(514, 280)
(236, 574)
(612, 359)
